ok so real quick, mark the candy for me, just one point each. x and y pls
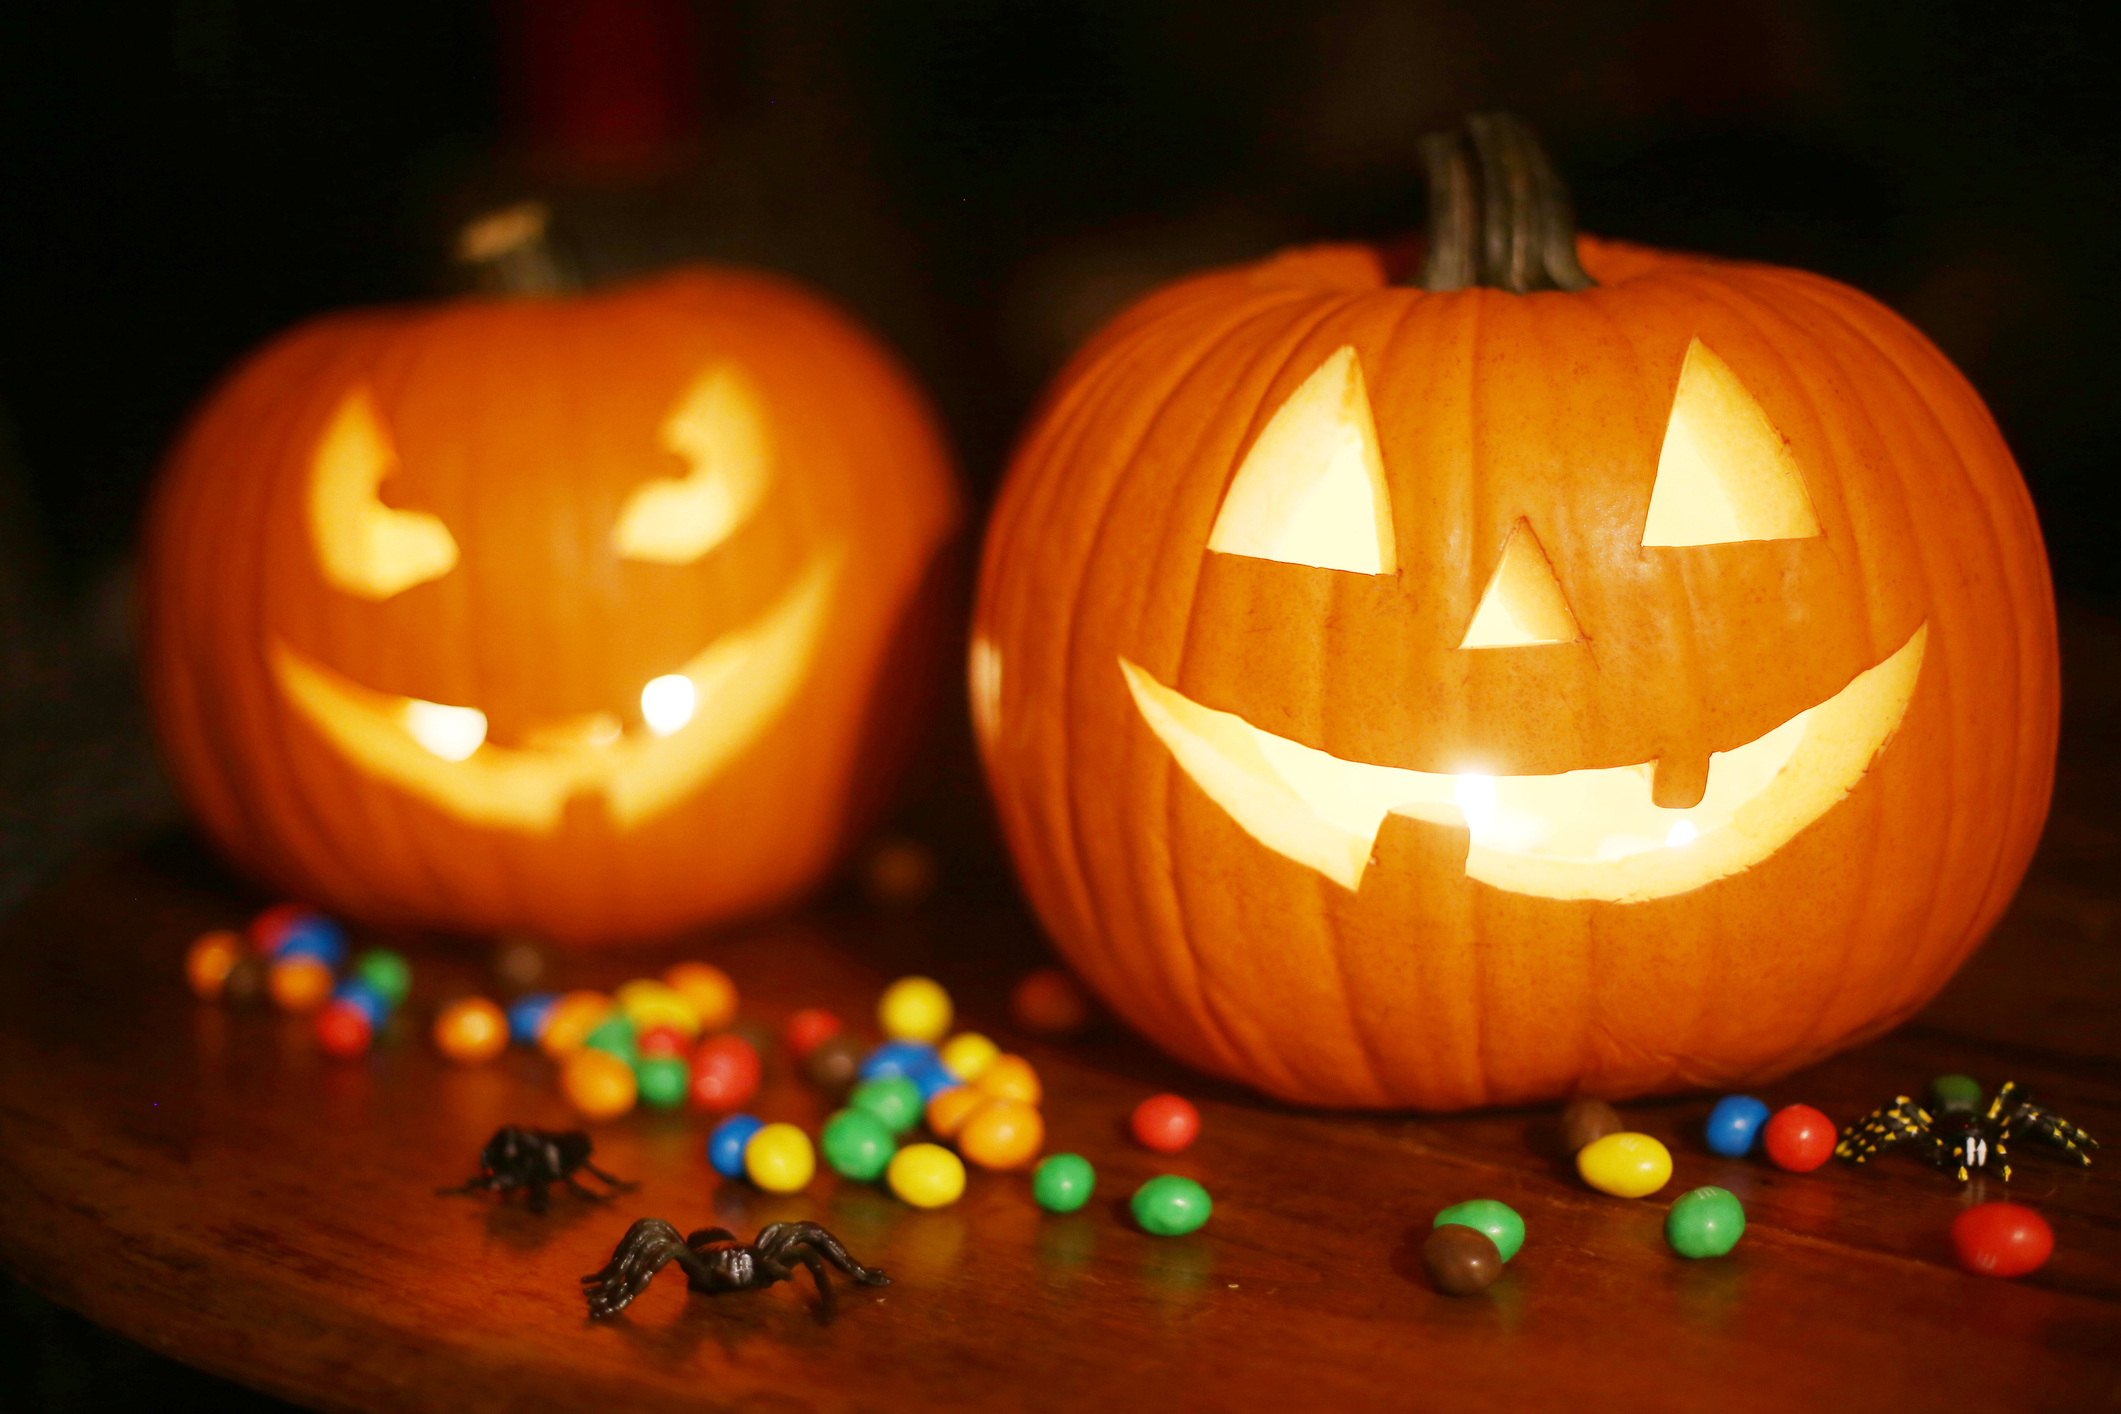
(897, 1058)
(1625, 1165)
(518, 962)
(663, 1081)
(725, 1073)
(313, 936)
(1165, 1123)
(807, 1030)
(857, 1145)
(343, 1030)
(471, 1031)
(358, 994)
(387, 972)
(779, 1158)
(1733, 1125)
(1460, 1260)
(662, 1041)
(1010, 1078)
(725, 1146)
(1050, 1003)
(834, 1064)
(914, 1009)
(1705, 1223)
(269, 929)
(708, 988)
(1499, 1221)
(898, 873)
(208, 962)
(527, 1015)
(1002, 1134)
(570, 1021)
(1171, 1206)
(1798, 1138)
(967, 1054)
(2001, 1240)
(1956, 1092)
(1063, 1183)
(299, 984)
(926, 1176)
(949, 1109)
(246, 981)
(1586, 1122)
(614, 1034)
(894, 1099)
(648, 1002)
(598, 1084)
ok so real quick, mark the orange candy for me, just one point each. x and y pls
(1050, 1002)
(949, 1109)
(1002, 1134)
(299, 984)
(209, 962)
(709, 990)
(1009, 1078)
(598, 1084)
(571, 1020)
(472, 1031)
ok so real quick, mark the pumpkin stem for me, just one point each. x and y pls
(1499, 217)
(515, 251)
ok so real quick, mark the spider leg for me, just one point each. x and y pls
(648, 1246)
(1901, 1121)
(576, 1187)
(620, 1184)
(807, 1255)
(540, 1198)
(2052, 1128)
(480, 1183)
(705, 1235)
(781, 1238)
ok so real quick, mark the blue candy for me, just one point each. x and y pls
(725, 1147)
(315, 936)
(526, 1016)
(1734, 1124)
(907, 1058)
(373, 1004)
(932, 1077)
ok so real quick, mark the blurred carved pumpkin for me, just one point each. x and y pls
(1551, 679)
(577, 614)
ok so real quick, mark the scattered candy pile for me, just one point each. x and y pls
(293, 955)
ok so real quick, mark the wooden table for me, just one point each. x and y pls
(205, 1182)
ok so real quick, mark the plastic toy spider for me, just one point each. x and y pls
(715, 1261)
(535, 1159)
(1963, 1139)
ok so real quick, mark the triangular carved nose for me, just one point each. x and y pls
(1523, 603)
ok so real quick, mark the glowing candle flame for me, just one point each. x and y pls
(668, 702)
(451, 733)
(1682, 832)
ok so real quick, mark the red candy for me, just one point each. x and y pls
(269, 930)
(662, 1041)
(343, 1031)
(725, 1073)
(2001, 1239)
(1798, 1138)
(1166, 1123)
(808, 1029)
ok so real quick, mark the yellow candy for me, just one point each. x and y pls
(926, 1175)
(649, 1003)
(1010, 1078)
(598, 1084)
(968, 1053)
(570, 1021)
(780, 1158)
(708, 988)
(1625, 1165)
(914, 1009)
(949, 1109)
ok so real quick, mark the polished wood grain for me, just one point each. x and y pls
(205, 1182)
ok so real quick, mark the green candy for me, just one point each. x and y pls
(1064, 1182)
(1705, 1223)
(1498, 1220)
(615, 1034)
(385, 971)
(895, 1100)
(1170, 1206)
(858, 1145)
(1956, 1092)
(663, 1081)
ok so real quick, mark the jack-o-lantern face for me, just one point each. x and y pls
(568, 614)
(1471, 698)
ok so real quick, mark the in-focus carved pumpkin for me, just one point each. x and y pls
(1535, 683)
(574, 614)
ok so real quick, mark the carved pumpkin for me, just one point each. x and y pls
(572, 614)
(1537, 683)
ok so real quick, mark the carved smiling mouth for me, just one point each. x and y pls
(697, 720)
(1591, 834)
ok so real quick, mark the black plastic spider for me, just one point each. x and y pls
(534, 1159)
(1963, 1139)
(714, 1260)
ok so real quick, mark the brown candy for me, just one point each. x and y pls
(832, 1065)
(518, 961)
(1461, 1260)
(245, 982)
(1586, 1121)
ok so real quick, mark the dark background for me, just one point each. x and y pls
(984, 180)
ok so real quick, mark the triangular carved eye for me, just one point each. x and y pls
(1725, 473)
(365, 548)
(1312, 489)
(1523, 603)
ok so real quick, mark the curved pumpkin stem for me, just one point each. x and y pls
(515, 251)
(1498, 215)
